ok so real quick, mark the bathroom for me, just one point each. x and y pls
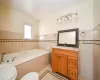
(30, 32)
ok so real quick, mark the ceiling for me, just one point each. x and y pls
(41, 8)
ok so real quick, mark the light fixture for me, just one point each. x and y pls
(66, 18)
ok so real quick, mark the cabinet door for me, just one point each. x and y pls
(55, 63)
(63, 64)
(73, 74)
(73, 62)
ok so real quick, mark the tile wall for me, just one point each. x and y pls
(11, 47)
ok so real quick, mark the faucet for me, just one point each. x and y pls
(2, 56)
(13, 59)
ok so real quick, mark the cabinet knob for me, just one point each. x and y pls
(58, 56)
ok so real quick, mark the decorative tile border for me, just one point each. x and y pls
(16, 40)
(97, 42)
(26, 40)
(53, 74)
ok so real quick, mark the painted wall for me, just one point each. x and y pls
(12, 23)
(96, 11)
(14, 20)
(85, 11)
(96, 55)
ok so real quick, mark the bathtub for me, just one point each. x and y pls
(24, 56)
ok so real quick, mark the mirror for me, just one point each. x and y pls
(68, 38)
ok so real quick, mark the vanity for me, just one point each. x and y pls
(65, 62)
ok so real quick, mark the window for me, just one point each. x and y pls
(27, 32)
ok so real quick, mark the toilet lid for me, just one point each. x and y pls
(31, 76)
(7, 71)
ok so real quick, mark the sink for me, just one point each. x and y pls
(7, 72)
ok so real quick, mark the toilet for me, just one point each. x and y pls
(9, 72)
(30, 76)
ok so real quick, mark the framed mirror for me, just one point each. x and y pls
(68, 38)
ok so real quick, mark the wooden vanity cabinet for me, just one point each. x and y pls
(65, 62)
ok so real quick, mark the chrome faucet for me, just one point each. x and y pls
(13, 59)
(2, 56)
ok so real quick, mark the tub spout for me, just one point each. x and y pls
(13, 59)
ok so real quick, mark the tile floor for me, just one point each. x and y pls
(50, 69)
(46, 68)
(51, 76)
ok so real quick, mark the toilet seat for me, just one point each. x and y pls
(7, 72)
(31, 76)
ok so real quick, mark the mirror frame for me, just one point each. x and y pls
(69, 45)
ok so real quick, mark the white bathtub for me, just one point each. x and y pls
(21, 57)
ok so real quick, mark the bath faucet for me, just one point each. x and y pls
(13, 59)
(2, 56)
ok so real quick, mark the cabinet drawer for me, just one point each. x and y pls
(72, 73)
(73, 62)
(65, 52)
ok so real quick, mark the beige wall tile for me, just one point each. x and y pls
(10, 47)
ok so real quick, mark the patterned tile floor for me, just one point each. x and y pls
(50, 77)
(47, 74)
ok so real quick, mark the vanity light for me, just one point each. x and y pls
(66, 18)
